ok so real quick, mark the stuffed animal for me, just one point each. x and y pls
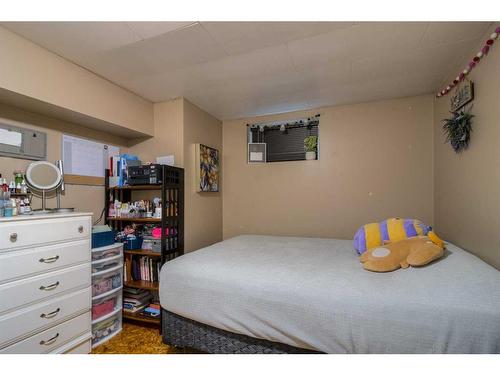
(395, 229)
(415, 252)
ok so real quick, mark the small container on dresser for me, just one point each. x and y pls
(107, 284)
(45, 283)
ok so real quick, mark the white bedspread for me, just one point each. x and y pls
(313, 293)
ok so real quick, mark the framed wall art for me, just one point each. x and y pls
(207, 168)
(463, 95)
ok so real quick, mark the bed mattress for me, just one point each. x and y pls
(314, 294)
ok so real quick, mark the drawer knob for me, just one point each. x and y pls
(50, 314)
(13, 237)
(49, 260)
(49, 287)
(49, 341)
(80, 229)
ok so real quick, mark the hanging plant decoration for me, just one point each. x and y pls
(457, 129)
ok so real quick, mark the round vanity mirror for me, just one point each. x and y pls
(44, 177)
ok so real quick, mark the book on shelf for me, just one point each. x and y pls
(132, 309)
(142, 268)
(135, 300)
(152, 310)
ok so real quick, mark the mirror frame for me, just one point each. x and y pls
(35, 186)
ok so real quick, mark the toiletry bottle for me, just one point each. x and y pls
(18, 177)
(1, 203)
(14, 206)
(24, 187)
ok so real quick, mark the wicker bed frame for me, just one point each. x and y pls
(186, 333)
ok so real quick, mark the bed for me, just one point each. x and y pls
(268, 294)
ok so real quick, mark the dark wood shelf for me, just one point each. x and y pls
(19, 194)
(142, 252)
(141, 284)
(171, 193)
(136, 219)
(136, 187)
(141, 318)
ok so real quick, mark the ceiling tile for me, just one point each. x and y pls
(239, 37)
(180, 48)
(258, 63)
(120, 64)
(332, 73)
(74, 40)
(146, 30)
(451, 32)
(363, 40)
(288, 31)
(161, 87)
(318, 50)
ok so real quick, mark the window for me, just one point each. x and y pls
(284, 140)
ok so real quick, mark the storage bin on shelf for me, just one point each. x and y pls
(133, 244)
(105, 329)
(107, 280)
(152, 244)
(102, 237)
(102, 307)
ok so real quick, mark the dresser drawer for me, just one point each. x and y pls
(26, 233)
(21, 263)
(21, 323)
(37, 288)
(82, 348)
(52, 338)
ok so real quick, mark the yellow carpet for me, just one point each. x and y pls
(137, 339)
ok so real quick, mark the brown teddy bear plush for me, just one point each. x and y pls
(415, 251)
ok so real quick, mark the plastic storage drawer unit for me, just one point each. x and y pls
(105, 281)
(106, 264)
(103, 306)
(104, 252)
(106, 329)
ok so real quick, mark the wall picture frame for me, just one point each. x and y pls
(463, 95)
(207, 160)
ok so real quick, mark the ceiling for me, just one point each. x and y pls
(241, 69)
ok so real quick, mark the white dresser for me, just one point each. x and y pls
(45, 283)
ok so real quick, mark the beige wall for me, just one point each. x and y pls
(203, 223)
(81, 197)
(467, 185)
(168, 130)
(34, 72)
(375, 163)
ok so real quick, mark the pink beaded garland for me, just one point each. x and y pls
(472, 64)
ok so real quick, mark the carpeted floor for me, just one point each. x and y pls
(137, 339)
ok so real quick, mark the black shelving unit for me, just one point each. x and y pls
(172, 218)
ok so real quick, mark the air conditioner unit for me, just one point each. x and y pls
(256, 153)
